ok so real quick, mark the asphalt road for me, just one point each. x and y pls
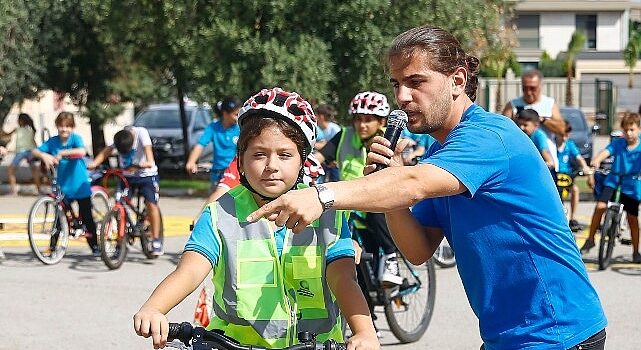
(80, 304)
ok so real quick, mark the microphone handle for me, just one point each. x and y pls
(393, 133)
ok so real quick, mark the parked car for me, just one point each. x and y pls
(581, 133)
(163, 123)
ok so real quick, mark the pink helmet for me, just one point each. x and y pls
(278, 103)
(369, 102)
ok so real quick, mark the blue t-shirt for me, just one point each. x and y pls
(424, 140)
(519, 263)
(540, 140)
(73, 177)
(203, 241)
(627, 162)
(224, 143)
(567, 156)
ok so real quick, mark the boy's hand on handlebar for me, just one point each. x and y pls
(48, 160)
(363, 341)
(92, 166)
(149, 322)
(380, 153)
(145, 164)
(191, 167)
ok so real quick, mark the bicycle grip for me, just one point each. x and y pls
(181, 331)
(365, 256)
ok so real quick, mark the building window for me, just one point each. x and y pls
(587, 24)
(528, 31)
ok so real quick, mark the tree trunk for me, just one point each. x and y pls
(569, 99)
(184, 123)
(97, 135)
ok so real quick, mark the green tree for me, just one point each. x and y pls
(20, 64)
(575, 46)
(550, 67)
(632, 51)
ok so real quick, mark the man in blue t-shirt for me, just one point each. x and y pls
(223, 134)
(482, 186)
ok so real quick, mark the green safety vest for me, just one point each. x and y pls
(261, 299)
(350, 155)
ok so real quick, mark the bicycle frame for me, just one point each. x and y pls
(123, 202)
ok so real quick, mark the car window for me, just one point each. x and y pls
(201, 120)
(159, 119)
(575, 119)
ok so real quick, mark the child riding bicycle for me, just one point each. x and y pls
(136, 157)
(627, 160)
(369, 111)
(270, 284)
(66, 151)
(528, 120)
(568, 155)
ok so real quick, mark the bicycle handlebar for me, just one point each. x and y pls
(202, 339)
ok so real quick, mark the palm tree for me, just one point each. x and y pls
(631, 55)
(576, 45)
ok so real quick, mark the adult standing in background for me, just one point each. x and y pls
(482, 187)
(551, 120)
(223, 134)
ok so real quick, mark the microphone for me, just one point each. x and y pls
(396, 122)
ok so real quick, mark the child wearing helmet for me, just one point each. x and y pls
(349, 149)
(269, 282)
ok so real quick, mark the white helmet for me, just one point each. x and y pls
(277, 103)
(369, 102)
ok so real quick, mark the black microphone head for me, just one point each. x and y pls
(397, 118)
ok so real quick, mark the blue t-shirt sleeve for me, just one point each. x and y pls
(203, 240)
(540, 140)
(573, 149)
(425, 213)
(45, 147)
(207, 135)
(343, 248)
(474, 155)
(76, 141)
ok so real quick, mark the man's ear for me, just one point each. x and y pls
(459, 80)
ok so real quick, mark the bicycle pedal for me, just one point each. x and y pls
(626, 241)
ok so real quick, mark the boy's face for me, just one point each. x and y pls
(631, 133)
(271, 163)
(366, 125)
(64, 130)
(528, 126)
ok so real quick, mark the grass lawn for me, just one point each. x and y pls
(198, 185)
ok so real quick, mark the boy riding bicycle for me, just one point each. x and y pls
(569, 155)
(369, 111)
(528, 120)
(66, 151)
(627, 160)
(270, 284)
(136, 157)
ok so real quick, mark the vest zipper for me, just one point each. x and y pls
(292, 316)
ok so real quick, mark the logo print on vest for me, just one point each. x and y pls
(304, 289)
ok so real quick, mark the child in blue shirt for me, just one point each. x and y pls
(66, 151)
(528, 120)
(223, 135)
(269, 281)
(569, 155)
(626, 151)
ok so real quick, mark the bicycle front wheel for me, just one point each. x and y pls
(410, 307)
(608, 237)
(48, 231)
(113, 242)
(444, 255)
(99, 204)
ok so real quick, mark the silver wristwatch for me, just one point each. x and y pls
(325, 196)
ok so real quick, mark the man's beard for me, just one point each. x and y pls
(434, 117)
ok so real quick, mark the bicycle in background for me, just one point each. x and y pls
(614, 225)
(408, 307)
(125, 223)
(444, 255)
(185, 336)
(53, 221)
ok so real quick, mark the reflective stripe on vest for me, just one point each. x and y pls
(350, 155)
(261, 299)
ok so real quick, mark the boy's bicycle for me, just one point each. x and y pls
(52, 220)
(564, 183)
(124, 223)
(198, 338)
(614, 223)
(408, 307)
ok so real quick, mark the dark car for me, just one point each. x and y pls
(581, 133)
(163, 123)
